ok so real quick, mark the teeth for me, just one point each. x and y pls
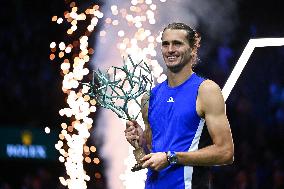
(171, 57)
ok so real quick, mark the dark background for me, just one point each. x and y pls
(31, 96)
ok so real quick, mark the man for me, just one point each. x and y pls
(175, 132)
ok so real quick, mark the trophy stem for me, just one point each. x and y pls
(138, 154)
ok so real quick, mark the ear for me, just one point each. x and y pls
(197, 39)
(194, 52)
(196, 45)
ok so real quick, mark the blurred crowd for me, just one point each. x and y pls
(256, 112)
(30, 93)
(41, 178)
(29, 82)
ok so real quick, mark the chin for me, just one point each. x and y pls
(175, 68)
(172, 64)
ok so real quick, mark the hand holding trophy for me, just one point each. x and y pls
(118, 89)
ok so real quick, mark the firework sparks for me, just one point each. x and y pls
(136, 39)
(72, 139)
(127, 31)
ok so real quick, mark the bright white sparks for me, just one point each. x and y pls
(80, 105)
(128, 27)
(135, 38)
(47, 130)
(139, 15)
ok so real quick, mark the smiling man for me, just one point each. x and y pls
(186, 127)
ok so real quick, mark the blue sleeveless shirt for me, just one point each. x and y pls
(175, 126)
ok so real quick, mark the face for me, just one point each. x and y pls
(175, 49)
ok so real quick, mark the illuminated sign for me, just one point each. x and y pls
(27, 143)
(23, 151)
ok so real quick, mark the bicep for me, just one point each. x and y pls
(218, 128)
(213, 107)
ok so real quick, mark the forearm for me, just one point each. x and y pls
(146, 143)
(208, 156)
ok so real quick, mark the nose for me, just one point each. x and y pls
(171, 48)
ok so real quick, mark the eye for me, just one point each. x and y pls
(165, 43)
(177, 43)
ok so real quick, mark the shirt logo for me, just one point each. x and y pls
(171, 99)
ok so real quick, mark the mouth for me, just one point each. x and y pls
(172, 58)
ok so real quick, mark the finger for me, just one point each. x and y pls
(147, 164)
(146, 157)
(129, 123)
(131, 138)
(130, 128)
(132, 134)
(133, 121)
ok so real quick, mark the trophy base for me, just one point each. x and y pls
(136, 167)
(138, 154)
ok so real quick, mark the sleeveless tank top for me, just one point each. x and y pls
(177, 127)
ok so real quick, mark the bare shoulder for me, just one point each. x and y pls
(210, 98)
(208, 87)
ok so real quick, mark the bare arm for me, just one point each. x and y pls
(211, 106)
(147, 135)
(134, 133)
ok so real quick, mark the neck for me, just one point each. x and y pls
(177, 78)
